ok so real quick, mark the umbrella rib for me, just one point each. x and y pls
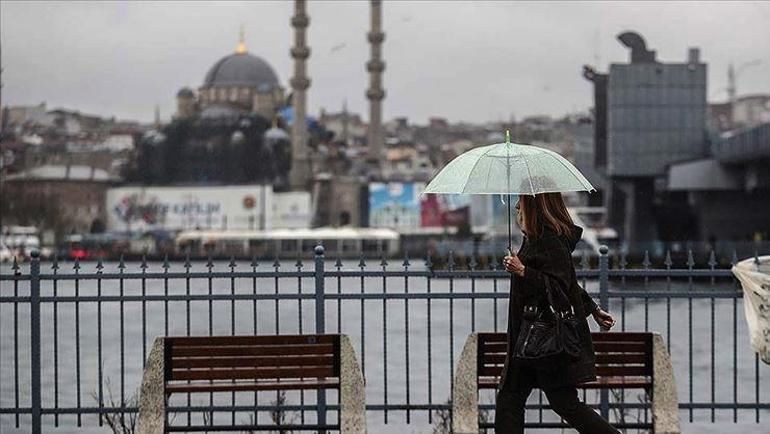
(573, 173)
(474, 168)
(529, 176)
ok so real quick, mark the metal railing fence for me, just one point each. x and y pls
(68, 336)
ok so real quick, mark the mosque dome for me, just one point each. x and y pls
(241, 69)
(185, 92)
(276, 134)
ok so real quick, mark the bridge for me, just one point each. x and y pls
(743, 146)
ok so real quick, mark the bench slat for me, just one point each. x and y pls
(494, 347)
(249, 373)
(251, 340)
(254, 361)
(621, 358)
(601, 383)
(618, 383)
(494, 359)
(620, 337)
(492, 337)
(621, 371)
(323, 383)
(620, 347)
(265, 350)
(490, 371)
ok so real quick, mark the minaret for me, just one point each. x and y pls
(731, 92)
(300, 167)
(375, 93)
(345, 120)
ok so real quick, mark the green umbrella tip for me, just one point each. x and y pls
(508, 137)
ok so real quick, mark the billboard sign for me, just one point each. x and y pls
(291, 210)
(440, 210)
(394, 204)
(180, 208)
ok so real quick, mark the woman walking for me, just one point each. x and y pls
(545, 258)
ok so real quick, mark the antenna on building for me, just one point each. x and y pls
(157, 115)
(597, 47)
(241, 48)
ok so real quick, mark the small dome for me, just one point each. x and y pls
(276, 134)
(185, 92)
(241, 69)
(219, 112)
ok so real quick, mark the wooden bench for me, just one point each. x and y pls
(215, 364)
(623, 361)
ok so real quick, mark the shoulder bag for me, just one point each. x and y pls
(549, 337)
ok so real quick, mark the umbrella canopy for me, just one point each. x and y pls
(508, 168)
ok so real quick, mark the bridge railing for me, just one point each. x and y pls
(74, 336)
(744, 145)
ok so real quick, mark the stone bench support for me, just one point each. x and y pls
(152, 400)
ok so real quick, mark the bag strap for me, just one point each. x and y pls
(549, 296)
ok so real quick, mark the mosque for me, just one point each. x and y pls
(236, 84)
(242, 84)
(239, 127)
(228, 132)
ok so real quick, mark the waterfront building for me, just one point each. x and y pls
(61, 199)
(666, 177)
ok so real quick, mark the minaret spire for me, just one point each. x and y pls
(241, 48)
(300, 166)
(345, 120)
(375, 93)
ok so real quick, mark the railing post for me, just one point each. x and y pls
(320, 322)
(603, 276)
(604, 395)
(320, 311)
(34, 329)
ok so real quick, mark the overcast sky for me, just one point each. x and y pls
(472, 61)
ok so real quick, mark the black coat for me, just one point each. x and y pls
(551, 255)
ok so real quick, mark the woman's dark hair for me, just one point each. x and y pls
(544, 209)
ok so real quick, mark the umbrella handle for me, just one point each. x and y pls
(510, 242)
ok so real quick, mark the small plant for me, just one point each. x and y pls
(623, 416)
(443, 417)
(443, 420)
(278, 415)
(119, 422)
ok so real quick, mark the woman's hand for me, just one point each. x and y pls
(604, 319)
(513, 264)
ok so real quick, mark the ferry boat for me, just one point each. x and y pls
(345, 242)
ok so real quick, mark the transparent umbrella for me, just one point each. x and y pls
(508, 168)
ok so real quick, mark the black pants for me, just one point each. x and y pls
(512, 396)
